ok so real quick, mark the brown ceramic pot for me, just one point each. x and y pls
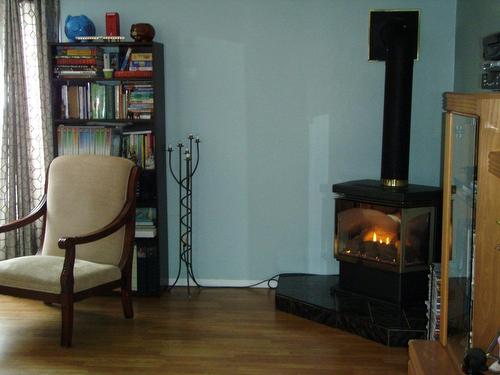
(142, 32)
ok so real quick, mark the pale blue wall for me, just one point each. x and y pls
(475, 20)
(286, 104)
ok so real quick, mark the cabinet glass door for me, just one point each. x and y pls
(462, 137)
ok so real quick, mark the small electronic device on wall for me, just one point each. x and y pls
(490, 77)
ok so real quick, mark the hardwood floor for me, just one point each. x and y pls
(217, 331)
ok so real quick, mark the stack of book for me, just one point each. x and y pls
(96, 140)
(140, 100)
(135, 65)
(139, 147)
(434, 303)
(78, 62)
(145, 222)
(141, 62)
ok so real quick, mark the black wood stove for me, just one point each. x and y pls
(387, 231)
(385, 239)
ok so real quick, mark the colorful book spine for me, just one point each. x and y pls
(141, 66)
(74, 140)
(78, 51)
(78, 61)
(147, 56)
(139, 147)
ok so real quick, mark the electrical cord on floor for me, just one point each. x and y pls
(273, 279)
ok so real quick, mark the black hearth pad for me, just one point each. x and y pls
(318, 298)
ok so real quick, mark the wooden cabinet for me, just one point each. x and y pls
(470, 258)
(485, 304)
(430, 358)
(92, 106)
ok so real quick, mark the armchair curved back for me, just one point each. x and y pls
(84, 193)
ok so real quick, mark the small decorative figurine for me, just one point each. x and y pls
(78, 26)
(142, 32)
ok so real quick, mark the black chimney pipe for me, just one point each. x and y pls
(397, 103)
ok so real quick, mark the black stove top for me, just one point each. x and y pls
(373, 191)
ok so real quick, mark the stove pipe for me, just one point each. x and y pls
(397, 104)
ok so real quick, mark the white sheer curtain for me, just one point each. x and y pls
(25, 121)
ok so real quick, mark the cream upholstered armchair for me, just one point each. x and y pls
(88, 229)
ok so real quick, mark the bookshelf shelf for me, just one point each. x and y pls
(108, 122)
(132, 112)
(145, 202)
(62, 81)
(110, 44)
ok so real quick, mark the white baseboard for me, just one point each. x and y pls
(221, 282)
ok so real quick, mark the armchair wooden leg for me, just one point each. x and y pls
(128, 309)
(67, 320)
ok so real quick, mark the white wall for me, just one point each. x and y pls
(286, 103)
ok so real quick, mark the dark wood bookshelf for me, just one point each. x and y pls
(152, 191)
(107, 44)
(127, 125)
(128, 121)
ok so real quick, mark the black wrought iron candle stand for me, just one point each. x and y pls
(184, 180)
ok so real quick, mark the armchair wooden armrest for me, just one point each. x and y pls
(117, 223)
(35, 214)
(69, 244)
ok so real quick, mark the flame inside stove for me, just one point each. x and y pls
(378, 236)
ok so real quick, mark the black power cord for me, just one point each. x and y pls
(268, 281)
(272, 279)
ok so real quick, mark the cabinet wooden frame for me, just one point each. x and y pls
(431, 357)
(485, 107)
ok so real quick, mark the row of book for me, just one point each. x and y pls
(107, 100)
(434, 302)
(89, 61)
(145, 270)
(78, 62)
(141, 62)
(100, 140)
(96, 140)
(139, 147)
(140, 102)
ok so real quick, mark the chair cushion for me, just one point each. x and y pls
(42, 273)
(84, 193)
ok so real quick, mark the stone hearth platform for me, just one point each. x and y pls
(318, 298)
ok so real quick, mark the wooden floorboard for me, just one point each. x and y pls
(216, 331)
